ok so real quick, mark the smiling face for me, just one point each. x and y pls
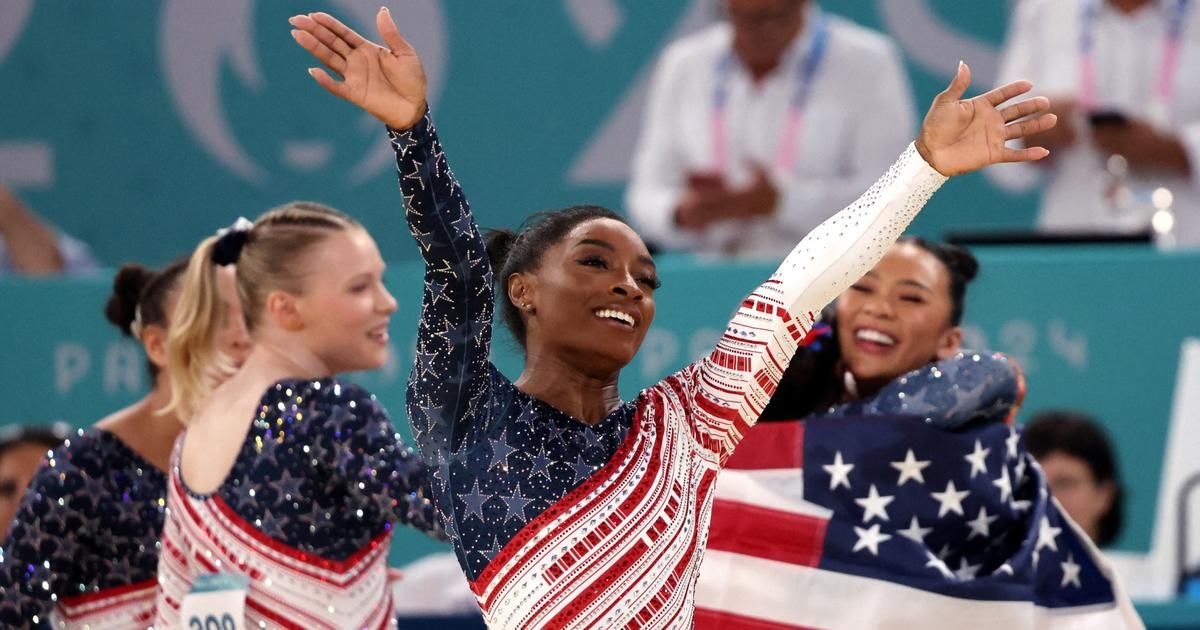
(591, 298)
(345, 307)
(897, 317)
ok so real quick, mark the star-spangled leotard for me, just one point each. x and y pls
(84, 544)
(560, 524)
(306, 512)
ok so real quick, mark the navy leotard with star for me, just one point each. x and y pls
(528, 454)
(561, 524)
(88, 525)
(310, 502)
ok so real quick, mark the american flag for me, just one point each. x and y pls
(876, 521)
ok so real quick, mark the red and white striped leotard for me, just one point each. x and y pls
(306, 513)
(558, 524)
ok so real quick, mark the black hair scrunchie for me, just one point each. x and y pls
(230, 241)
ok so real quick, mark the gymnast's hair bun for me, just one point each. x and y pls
(128, 284)
(499, 246)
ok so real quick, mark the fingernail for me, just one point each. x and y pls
(385, 10)
(961, 63)
(312, 72)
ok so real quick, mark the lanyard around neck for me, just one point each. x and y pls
(1164, 83)
(806, 70)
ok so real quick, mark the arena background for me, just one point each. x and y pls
(141, 127)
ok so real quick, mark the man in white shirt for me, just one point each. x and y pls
(1124, 78)
(761, 126)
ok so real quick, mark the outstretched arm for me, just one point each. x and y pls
(958, 136)
(451, 371)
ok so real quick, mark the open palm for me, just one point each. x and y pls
(962, 135)
(388, 82)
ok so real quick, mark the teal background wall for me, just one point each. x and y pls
(140, 127)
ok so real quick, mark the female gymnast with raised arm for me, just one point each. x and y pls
(567, 506)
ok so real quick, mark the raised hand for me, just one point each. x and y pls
(388, 83)
(959, 136)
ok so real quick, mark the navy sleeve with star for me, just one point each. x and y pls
(38, 557)
(952, 393)
(333, 445)
(451, 375)
(374, 464)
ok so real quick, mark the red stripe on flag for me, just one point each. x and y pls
(716, 620)
(765, 533)
(770, 445)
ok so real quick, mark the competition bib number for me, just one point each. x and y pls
(217, 601)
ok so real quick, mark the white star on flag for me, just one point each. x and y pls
(1004, 484)
(965, 570)
(978, 465)
(1070, 572)
(1047, 534)
(937, 563)
(874, 505)
(981, 524)
(1011, 442)
(839, 472)
(950, 499)
(915, 532)
(910, 468)
(870, 539)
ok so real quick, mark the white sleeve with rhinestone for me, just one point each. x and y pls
(741, 374)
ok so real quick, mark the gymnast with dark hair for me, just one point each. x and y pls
(84, 546)
(568, 506)
(894, 434)
(903, 315)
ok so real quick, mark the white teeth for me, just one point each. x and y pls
(866, 334)
(624, 318)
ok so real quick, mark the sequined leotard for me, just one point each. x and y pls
(306, 512)
(84, 545)
(557, 523)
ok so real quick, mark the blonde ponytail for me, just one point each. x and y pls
(268, 254)
(191, 347)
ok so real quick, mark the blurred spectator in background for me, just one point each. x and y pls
(761, 126)
(29, 246)
(1081, 470)
(1124, 78)
(22, 448)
